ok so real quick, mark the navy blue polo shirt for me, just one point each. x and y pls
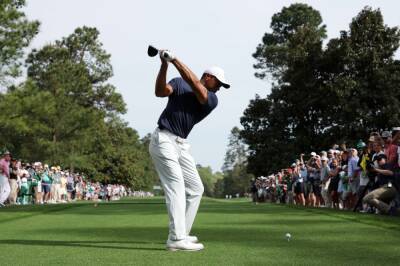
(184, 110)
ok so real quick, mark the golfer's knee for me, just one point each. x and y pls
(201, 190)
(197, 190)
(368, 198)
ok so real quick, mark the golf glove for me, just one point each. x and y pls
(167, 55)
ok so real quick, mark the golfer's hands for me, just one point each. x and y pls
(166, 55)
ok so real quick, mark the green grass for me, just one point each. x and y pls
(235, 232)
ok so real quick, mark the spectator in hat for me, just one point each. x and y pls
(63, 187)
(317, 182)
(377, 149)
(331, 156)
(14, 179)
(70, 186)
(304, 175)
(52, 186)
(395, 130)
(386, 190)
(298, 184)
(353, 174)
(370, 143)
(37, 181)
(46, 184)
(4, 176)
(390, 148)
(56, 185)
(313, 182)
(334, 183)
(325, 180)
(365, 158)
(343, 188)
(25, 188)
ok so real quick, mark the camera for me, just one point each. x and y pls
(370, 166)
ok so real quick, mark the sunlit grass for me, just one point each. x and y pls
(234, 232)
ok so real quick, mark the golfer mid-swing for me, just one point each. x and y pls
(190, 100)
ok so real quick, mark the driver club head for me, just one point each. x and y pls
(152, 51)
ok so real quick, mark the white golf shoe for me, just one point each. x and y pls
(192, 239)
(183, 245)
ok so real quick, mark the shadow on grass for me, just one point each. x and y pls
(144, 206)
(34, 211)
(355, 247)
(290, 221)
(62, 206)
(127, 234)
(380, 221)
(86, 208)
(86, 244)
(322, 241)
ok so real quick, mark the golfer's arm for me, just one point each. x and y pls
(162, 88)
(199, 90)
(384, 172)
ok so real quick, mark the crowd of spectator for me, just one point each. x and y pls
(364, 178)
(37, 183)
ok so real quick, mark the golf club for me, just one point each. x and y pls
(152, 51)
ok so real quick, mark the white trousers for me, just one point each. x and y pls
(56, 190)
(4, 188)
(180, 180)
(13, 191)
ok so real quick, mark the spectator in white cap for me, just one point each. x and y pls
(325, 179)
(4, 176)
(395, 130)
(331, 156)
(313, 181)
(334, 183)
(298, 183)
(353, 172)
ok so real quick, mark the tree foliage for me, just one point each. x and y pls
(236, 151)
(320, 95)
(16, 33)
(235, 178)
(209, 179)
(66, 113)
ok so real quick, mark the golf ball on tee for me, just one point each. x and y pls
(288, 236)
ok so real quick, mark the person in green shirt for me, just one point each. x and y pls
(56, 185)
(36, 179)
